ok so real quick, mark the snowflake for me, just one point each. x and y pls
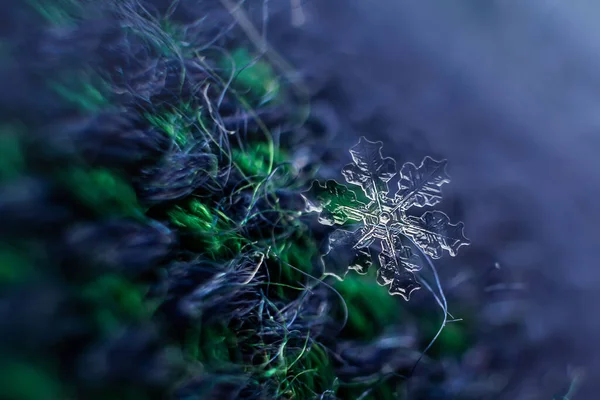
(383, 219)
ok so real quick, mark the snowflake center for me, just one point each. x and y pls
(385, 217)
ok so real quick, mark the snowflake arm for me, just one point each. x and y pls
(344, 253)
(421, 186)
(433, 233)
(370, 170)
(335, 202)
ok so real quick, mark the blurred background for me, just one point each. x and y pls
(129, 264)
(509, 93)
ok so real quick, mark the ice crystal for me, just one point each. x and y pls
(383, 217)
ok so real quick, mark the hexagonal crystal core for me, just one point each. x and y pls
(384, 217)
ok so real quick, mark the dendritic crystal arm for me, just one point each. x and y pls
(335, 203)
(421, 186)
(433, 232)
(370, 170)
